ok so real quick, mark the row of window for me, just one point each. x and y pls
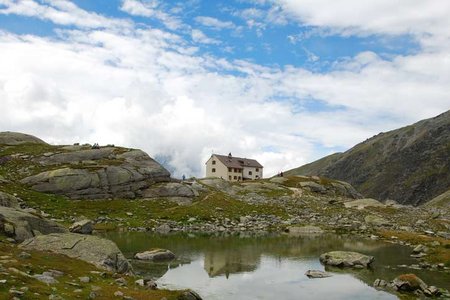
(235, 171)
(235, 177)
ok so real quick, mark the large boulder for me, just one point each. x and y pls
(17, 138)
(101, 252)
(346, 259)
(21, 225)
(8, 200)
(109, 173)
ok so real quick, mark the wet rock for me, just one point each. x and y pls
(96, 250)
(164, 228)
(346, 259)
(317, 274)
(408, 283)
(84, 227)
(155, 255)
(189, 295)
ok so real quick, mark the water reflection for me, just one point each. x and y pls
(268, 267)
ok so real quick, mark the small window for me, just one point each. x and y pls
(235, 177)
(236, 170)
(249, 172)
(213, 162)
(230, 170)
(229, 177)
(239, 178)
(213, 170)
(257, 170)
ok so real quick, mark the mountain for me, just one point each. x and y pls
(410, 165)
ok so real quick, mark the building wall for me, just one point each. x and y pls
(235, 174)
(254, 174)
(220, 170)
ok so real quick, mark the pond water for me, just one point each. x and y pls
(269, 267)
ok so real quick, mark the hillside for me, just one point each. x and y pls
(410, 165)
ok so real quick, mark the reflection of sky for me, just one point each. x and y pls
(273, 279)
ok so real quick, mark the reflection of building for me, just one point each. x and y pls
(228, 262)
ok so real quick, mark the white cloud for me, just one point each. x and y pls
(199, 37)
(214, 23)
(151, 9)
(61, 12)
(150, 89)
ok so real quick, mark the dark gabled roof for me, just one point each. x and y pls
(237, 162)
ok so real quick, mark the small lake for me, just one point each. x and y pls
(269, 267)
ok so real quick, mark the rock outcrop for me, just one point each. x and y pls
(409, 165)
(21, 225)
(346, 259)
(97, 173)
(84, 227)
(16, 138)
(101, 252)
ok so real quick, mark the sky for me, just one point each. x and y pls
(281, 81)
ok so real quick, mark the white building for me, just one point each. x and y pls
(233, 168)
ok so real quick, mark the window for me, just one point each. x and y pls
(213, 162)
(214, 170)
(249, 172)
(239, 178)
(257, 170)
(235, 177)
(229, 177)
(230, 170)
(236, 170)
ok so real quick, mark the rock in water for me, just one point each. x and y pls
(101, 252)
(346, 259)
(21, 225)
(155, 255)
(84, 227)
(317, 274)
(409, 283)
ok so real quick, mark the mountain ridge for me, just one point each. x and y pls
(410, 164)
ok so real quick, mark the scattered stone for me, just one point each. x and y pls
(15, 292)
(155, 255)
(380, 283)
(118, 294)
(84, 279)
(24, 255)
(130, 214)
(148, 283)
(84, 227)
(346, 259)
(164, 229)
(317, 274)
(121, 281)
(45, 279)
(420, 248)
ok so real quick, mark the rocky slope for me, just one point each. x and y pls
(410, 165)
(78, 171)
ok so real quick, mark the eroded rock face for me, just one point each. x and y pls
(346, 259)
(21, 225)
(101, 252)
(123, 175)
